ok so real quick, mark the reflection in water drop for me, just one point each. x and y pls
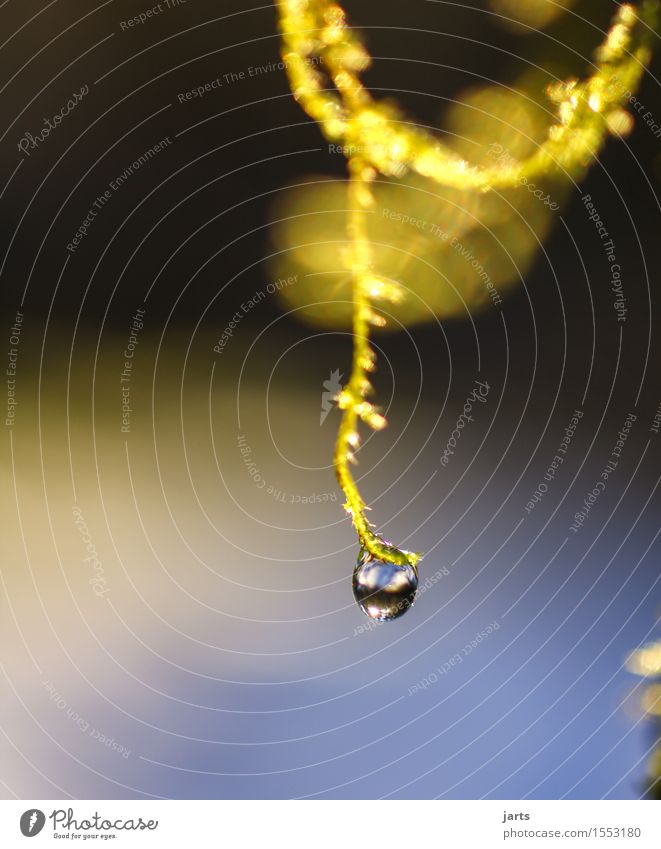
(383, 590)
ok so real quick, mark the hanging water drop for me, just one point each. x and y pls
(383, 590)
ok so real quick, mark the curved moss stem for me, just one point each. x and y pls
(354, 398)
(324, 58)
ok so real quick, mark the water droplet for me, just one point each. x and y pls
(383, 590)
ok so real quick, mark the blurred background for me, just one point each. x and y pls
(176, 617)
